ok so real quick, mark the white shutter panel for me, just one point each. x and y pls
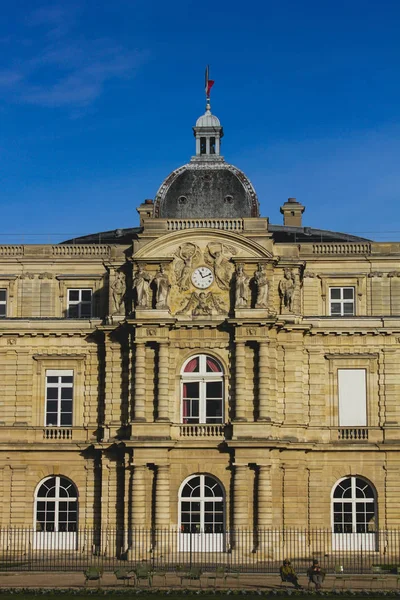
(352, 398)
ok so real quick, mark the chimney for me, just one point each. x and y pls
(292, 211)
(145, 210)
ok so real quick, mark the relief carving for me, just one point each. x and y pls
(203, 304)
(217, 255)
(187, 257)
(141, 285)
(286, 289)
(261, 281)
(241, 288)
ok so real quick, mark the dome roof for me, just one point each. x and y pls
(208, 120)
(206, 189)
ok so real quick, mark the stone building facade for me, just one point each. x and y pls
(204, 371)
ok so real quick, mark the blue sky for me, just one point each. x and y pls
(97, 102)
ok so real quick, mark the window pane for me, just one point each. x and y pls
(335, 293)
(51, 419)
(212, 366)
(191, 390)
(66, 419)
(52, 379)
(86, 310)
(73, 295)
(214, 411)
(214, 389)
(336, 308)
(73, 311)
(52, 393)
(348, 293)
(51, 406)
(192, 366)
(348, 308)
(2, 310)
(86, 295)
(2, 295)
(66, 393)
(66, 406)
(67, 379)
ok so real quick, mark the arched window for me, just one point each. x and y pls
(202, 505)
(56, 505)
(202, 390)
(354, 506)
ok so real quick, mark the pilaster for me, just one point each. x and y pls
(139, 400)
(163, 382)
(240, 381)
(266, 412)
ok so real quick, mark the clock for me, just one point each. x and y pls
(202, 277)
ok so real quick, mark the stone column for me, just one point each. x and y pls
(139, 400)
(138, 497)
(139, 536)
(267, 539)
(163, 382)
(264, 408)
(240, 382)
(127, 499)
(240, 497)
(264, 497)
(162, 512)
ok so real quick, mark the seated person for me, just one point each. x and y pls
(288, 573)
(316, 575)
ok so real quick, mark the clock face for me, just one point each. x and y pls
(202, 277)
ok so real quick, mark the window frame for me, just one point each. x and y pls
(202, 377)
(4, 302)
(344, 394)
(57, 499)
(59, 386)
(199, 525)
(79, 303)
(353, 501)
(342, 301)
(369, 362)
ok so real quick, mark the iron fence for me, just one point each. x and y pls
(251, 551)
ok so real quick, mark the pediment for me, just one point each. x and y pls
(169, 244)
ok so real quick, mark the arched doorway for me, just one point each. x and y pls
(56, 514)
(354, 514)
(202, 514)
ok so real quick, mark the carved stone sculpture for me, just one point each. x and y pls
(241, 288)
(141, 283)
(118, 293)
(261, 281)
(203, 304)
(286, 288)
(217, 255)
(187, 257)
(163, 287)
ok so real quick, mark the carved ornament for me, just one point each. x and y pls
(203, 304)
(217, 256)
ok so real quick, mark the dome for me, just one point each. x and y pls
(206, 190)
(208, 120)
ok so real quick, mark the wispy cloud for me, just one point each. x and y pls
(64, 70)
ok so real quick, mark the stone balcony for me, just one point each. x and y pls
(24, 434)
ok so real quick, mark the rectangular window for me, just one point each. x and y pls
(59, 396)
(3, 303)
(341, 301)
(352, 397)
(79, 304)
